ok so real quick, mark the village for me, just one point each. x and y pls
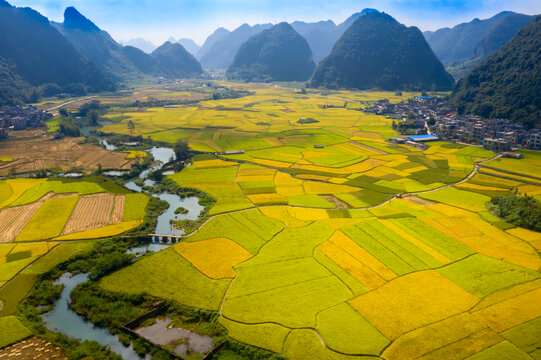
(21, 118)
(435, 116)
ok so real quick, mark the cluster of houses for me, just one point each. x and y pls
(20, 118)
(433, 115)
(496, 134)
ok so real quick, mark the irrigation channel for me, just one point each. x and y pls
(63, 319)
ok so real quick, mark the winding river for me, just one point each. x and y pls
(63, 319)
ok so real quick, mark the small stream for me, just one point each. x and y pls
(63, 319)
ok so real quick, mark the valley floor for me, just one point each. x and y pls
(326, 241)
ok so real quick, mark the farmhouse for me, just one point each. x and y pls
(496, 145)
(512, 155)
(423, 138)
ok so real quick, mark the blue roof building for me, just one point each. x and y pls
(423, 138)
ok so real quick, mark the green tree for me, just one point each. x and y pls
(131, 127)
(182, 151)
(68, 127)
(93, 117)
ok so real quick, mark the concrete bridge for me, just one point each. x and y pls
(161, 237)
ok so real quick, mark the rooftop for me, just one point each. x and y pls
(423, 137)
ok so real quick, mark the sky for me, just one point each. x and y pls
(158, 20)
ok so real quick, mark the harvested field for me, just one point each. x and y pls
(33, 348)
(36, 149)
(14, 219)
(118, 209)
(94, 211)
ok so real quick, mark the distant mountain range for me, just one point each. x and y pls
(140, 43)
(126, 65)
(378, 52)
(212, 39)
(368, 50)
(508, 83)
(189, 45)
(36, 55)
(75, 56)
(464, 46)
(221, 53)
(323, 35)
(218, 51)
(276, 54)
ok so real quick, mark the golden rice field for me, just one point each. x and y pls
(326, 241)
(37, 214)
(309, 253)
(33, 210)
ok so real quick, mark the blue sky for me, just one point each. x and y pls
(157, 20)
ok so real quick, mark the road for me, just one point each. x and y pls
(95, 96)
(70, 102)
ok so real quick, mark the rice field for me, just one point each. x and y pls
(326, 241)
(66, 209)
(311, 238)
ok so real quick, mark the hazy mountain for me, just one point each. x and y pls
(35, 53)
(508, 83)
(468, 44)
(126, 64)
(499, 34)
(276, 54)
(140, 59)
(378, 52)
(350, 20)
(174, 60)
(221, 54)
(321, 36)
(189, 45)
(142, 44)
(213, 38)
(98, 46)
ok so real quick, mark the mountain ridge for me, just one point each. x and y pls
(378, 52)
(276, 54)
(508, 83)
